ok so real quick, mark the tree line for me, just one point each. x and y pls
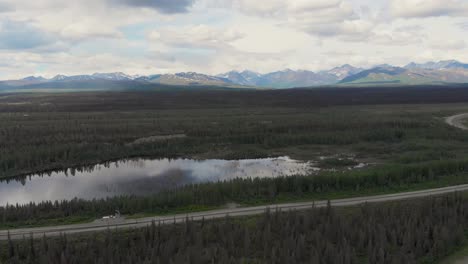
(420, 231)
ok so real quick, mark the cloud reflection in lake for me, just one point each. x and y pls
(142, 177)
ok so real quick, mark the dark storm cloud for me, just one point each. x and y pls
(164, 6)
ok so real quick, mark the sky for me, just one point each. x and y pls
(49, 37)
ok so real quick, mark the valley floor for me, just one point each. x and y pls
(401, 136)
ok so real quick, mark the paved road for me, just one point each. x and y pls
(457, 120)
(102, 225)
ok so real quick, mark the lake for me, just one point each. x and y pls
(142, 177)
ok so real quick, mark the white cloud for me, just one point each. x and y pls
(428, 8)
(463, 25)
(71, 37)
(320, 17)
(87, 29)
(195, 36)
(257, 8)
(349, 30)
(448, 44)
(302, 6)
(77, 20)
(400, 36)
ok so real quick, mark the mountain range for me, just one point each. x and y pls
(289, 78)
(440, 72)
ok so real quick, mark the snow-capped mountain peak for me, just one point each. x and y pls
(114, 76)
(59, 77)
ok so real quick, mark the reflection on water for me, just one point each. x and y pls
(141, 177)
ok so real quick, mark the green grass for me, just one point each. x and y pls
(48, 222)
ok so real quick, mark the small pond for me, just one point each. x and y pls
(142, 177)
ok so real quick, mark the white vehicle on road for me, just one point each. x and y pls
(109, 217)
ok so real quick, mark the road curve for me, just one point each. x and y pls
(221, 213)
(456, 121)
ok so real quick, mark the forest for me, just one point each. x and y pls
(407, 146)
(399, 133)
(418, 231)
(40, 133)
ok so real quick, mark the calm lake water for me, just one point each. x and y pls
(142, 177)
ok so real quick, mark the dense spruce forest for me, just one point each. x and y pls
(231, 98)
(39, 133)
(419, 231)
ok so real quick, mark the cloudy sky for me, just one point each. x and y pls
(47, 37)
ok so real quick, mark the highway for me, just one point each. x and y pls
(101, 225)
